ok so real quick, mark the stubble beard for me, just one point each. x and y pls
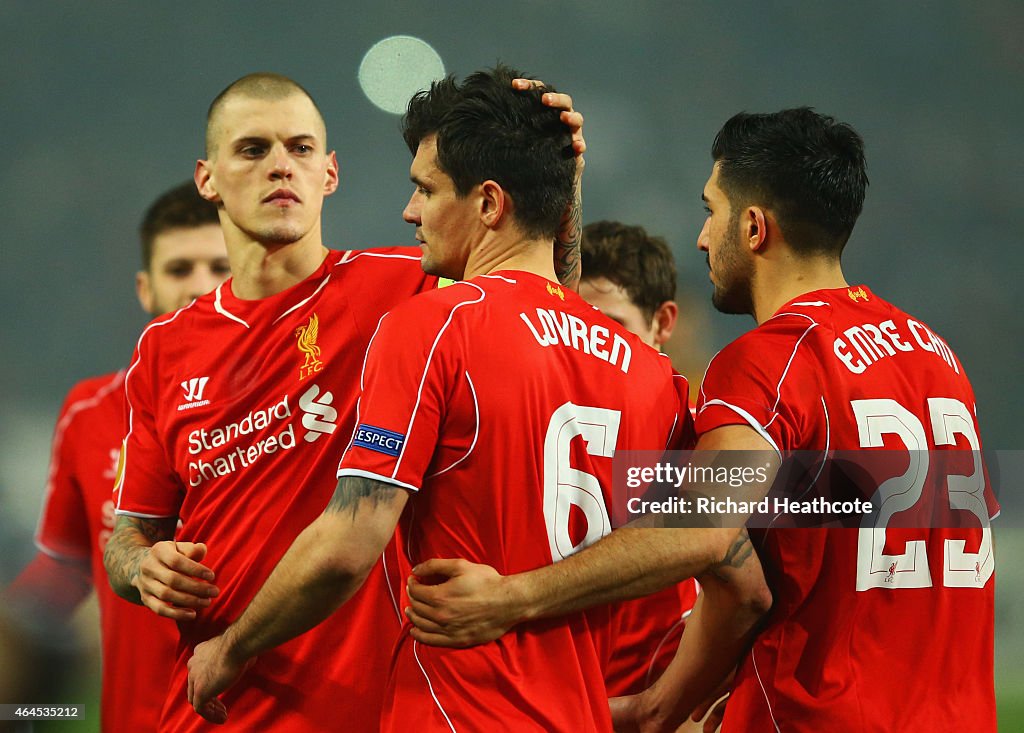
(732, 302)
(279, 234)
(733, 293)
(278, 237)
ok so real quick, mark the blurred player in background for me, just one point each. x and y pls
(495, 430)
(239, 408)
(630, 276)
(183, 256)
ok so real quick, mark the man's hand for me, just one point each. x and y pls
(147, 567)
(172, 582)
(572, 119)
(456, 603)
(570, 231)
(211, 671)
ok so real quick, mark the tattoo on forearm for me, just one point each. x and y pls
(567, 245)
(738, 553)
(127, 547)
(353, 489)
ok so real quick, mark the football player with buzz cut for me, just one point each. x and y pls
(238, 408)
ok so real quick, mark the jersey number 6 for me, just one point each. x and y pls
(565, 486)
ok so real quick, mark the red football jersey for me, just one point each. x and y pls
(237, 412)
(500, 402)
(77, 519)
(872, 629)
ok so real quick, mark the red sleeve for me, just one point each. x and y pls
(399, 267)
(146, 484)
(63, 526)
(744, 383)
(50, 586)
(406, 384)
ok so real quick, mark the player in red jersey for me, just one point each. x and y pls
(238, 409)
(833, 366)
(630, 276)
(829, 367)
(492, 408)
(183, 256)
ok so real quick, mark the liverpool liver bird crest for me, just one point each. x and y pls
(307, 336)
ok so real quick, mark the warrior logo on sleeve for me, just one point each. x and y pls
(307, 337)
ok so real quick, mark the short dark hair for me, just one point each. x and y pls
(807, 168)
(179, 208)
(639, 263)
(258, 85)
(487, 130)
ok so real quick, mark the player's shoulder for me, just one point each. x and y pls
(95, 388)
(441, 302)
(797, 316)
(395, 259)
(163, 326)
(93, 393)
(378, 279)
(782, 334)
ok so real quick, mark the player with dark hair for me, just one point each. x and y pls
(830, 367)
(179, 210)
(496, 431)
(183, 256)
(239, 407)
(631, 276)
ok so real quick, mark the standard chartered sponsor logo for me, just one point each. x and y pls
(275, 427)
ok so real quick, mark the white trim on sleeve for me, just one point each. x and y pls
(343, 472)
(758, 428)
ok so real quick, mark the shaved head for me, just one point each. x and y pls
(261, 85)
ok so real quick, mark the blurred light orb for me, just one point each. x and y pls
(396, 68)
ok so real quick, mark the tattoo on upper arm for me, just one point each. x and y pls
(736, 556)
(353, 489)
